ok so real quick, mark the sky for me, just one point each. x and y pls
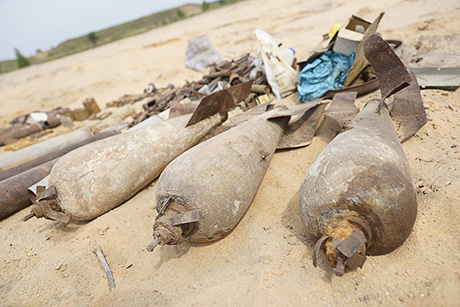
(29, 25)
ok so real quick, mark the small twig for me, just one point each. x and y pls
(105, 266)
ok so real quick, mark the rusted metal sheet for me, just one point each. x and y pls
(178, 109)
(393, 75)
(408, 113)
(343, 108)
(301, 132)
(212, 104)
(185, 218)
(360, 89)
(297, 110)
(349, 246)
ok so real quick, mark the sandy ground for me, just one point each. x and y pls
(267, 259)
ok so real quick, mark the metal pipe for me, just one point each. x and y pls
(53, 155)
(40, 149)
(13, 191)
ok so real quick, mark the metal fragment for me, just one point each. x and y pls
(355, 261)
(318, 245)
(351, 244)
(339, 269)
(447, 78)
(16, 132)
(408, 113)
(220, 102)
(298, 110)
(393, 75)
(260, 89)
(47, 194)
(437, 70)
(154, 244)
(163, 208)
(301, 132)
(185, 218)
(343, 109)
(47, 206)
(222, 73)
(360, 89)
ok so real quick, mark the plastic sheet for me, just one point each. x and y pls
(326, 72)
(280, 75)
(201, 53)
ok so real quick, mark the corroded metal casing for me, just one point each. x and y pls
(95, 178)
(218, 178)
(363, 170)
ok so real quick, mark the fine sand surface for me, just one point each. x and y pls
(267, 259)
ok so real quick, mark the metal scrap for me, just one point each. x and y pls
(360, 89)
(407, 111)
(182, 108)
(185, 218)
(231, 96)
(222, 75)
(393, 75)
(301, 132)
(46, 205)
(441, 71)
(343, 109)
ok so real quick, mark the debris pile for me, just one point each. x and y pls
(37, 124)
(220, 76)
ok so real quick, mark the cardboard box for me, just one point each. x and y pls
(349, 37)
(347, 41)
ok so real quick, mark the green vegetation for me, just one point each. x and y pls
(180, 14)
(8, 65)
(115, 33)
(21, 60)
(204, 6)
(92, 37)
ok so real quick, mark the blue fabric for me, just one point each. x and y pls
(325, 72)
